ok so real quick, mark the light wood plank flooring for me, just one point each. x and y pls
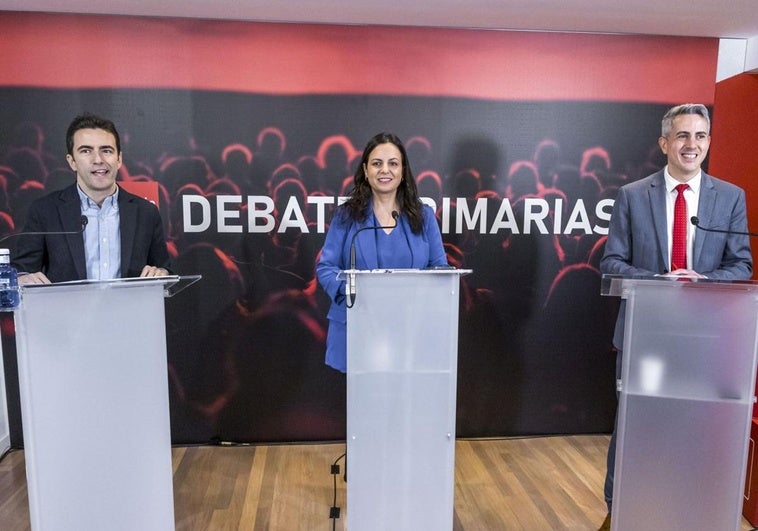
(531, 484)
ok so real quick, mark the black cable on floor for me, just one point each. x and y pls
(8, 451)
(334, 511)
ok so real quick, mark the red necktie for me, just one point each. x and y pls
(679, 237)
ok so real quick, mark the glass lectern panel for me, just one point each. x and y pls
(685, 403)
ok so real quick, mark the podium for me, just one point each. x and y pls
(5, 431)
(685, 403)
(402, 344)
(93, 385)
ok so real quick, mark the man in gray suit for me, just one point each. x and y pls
(107, 232)
(639, 237)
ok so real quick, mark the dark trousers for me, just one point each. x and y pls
(610, 462)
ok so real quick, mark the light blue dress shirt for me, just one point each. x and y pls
(102, 238)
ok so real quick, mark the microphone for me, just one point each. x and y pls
(695, 221)
(351, 277)
(83, 220)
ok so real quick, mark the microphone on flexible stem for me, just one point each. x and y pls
(695, 221)
(83, 220)
(351, 277)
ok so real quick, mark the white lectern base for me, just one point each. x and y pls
(94, 403)
(5, 432)
(402, 341)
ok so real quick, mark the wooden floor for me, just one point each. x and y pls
(531, 484)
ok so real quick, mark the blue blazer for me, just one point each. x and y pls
(61, 257)
(637, 241)
(426, 250)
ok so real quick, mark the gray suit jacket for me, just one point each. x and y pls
(637, 241)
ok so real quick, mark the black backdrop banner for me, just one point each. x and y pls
(523, 190)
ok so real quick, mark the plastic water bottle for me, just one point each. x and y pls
(9, 296)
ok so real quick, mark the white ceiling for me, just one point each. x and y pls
(704, 18)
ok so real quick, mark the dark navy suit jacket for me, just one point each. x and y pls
(61, 257)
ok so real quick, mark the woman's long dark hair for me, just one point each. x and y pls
(356, 207)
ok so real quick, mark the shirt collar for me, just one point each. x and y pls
(111, 201)
(672, 183)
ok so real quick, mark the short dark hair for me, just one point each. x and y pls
(90, 121)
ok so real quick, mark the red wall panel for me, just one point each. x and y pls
(734, 139)
(88, 51)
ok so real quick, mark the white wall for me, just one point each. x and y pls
(751, 56)
(737, 56)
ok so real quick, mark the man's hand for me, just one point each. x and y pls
(152, 271)
(33, 278)
(689, 273)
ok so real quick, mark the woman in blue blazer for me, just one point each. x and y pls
(384, 194)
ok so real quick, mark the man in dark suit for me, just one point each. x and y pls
(113, 234)
(639, 237)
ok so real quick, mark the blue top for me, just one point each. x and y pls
(392, 250)
(374, 249)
